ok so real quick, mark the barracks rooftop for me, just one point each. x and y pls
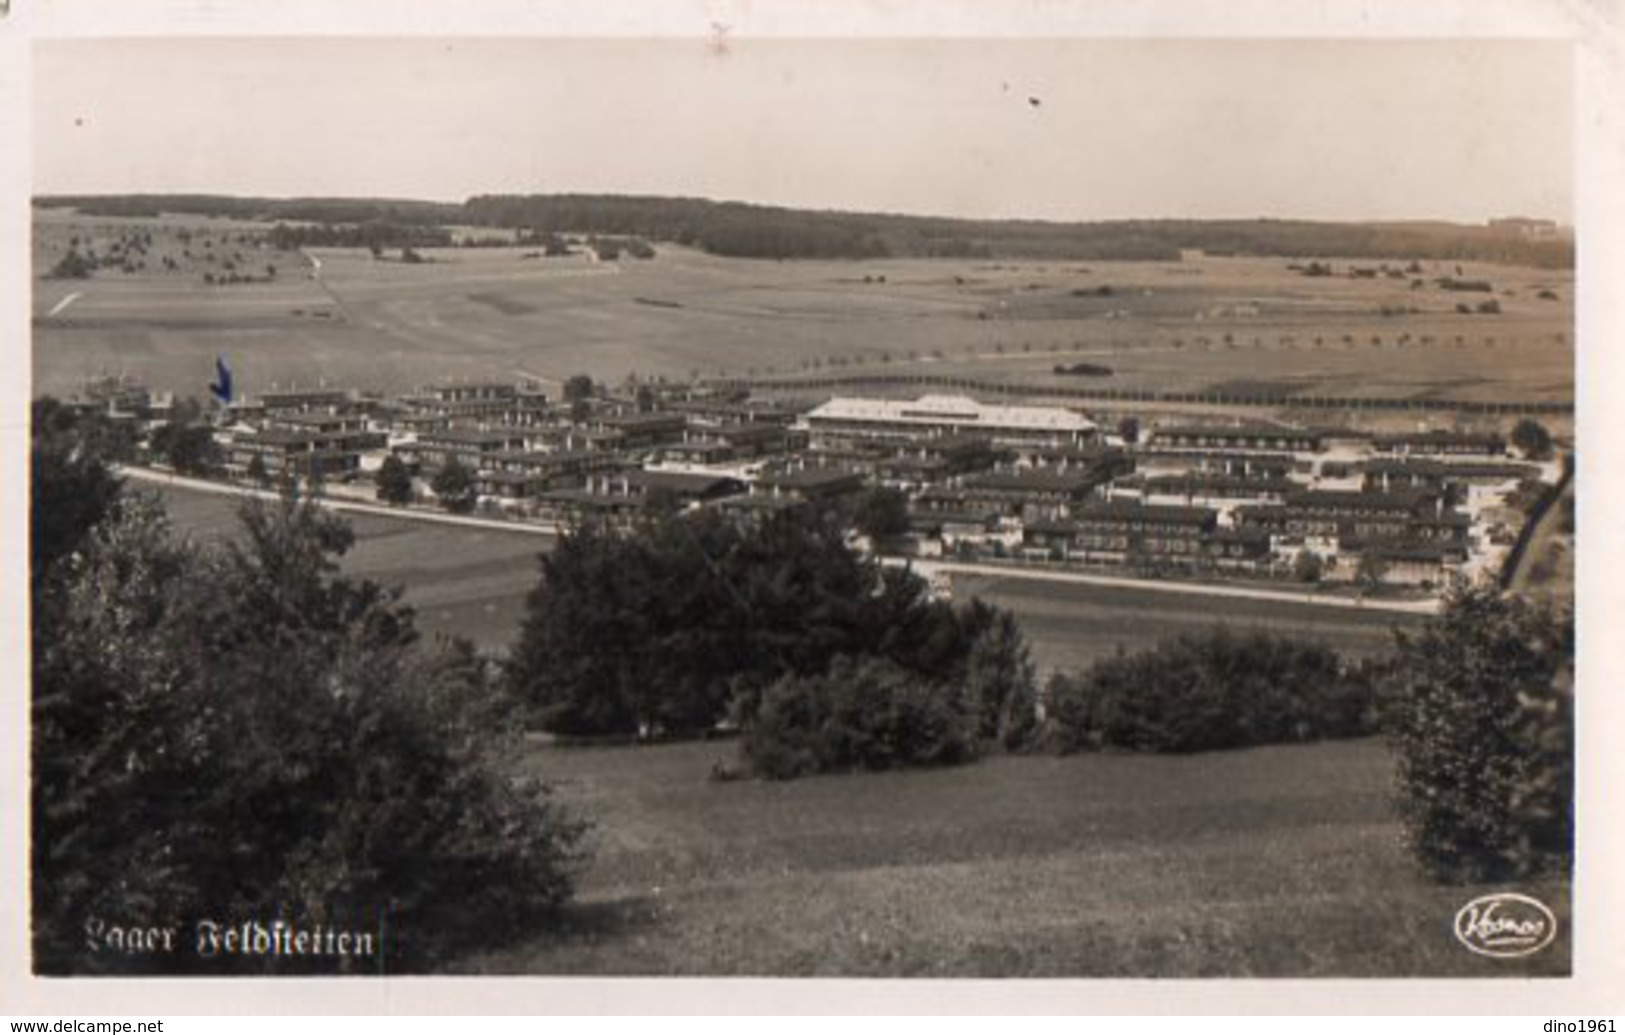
(952, 415)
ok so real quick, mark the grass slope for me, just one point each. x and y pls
(1268, 862)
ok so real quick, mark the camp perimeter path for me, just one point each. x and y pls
(924, 567)
(176, 481)
(1411, 607)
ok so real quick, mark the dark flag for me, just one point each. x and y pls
(221, 386)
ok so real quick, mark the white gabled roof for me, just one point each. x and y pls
(956, 409)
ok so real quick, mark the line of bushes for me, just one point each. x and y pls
(1211, 691)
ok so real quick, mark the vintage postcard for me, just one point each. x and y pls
(956, 495)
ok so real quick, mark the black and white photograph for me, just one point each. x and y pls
(725, 505)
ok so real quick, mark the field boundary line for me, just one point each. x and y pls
(1019, 389)
(154, 476)
(929, 567)
(69, 300)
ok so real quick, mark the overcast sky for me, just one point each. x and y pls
(1050, 130)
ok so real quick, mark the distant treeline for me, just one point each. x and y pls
(760, 231)
(375, 235)
(312, 210)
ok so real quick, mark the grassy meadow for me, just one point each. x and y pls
(1270, 862)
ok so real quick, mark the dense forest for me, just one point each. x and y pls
(761, 231)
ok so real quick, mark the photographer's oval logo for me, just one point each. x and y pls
(1506, 925)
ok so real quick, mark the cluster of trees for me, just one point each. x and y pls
(375, 235)
(723, 228)
(218, 206)
(73, 266)
(186, 442)
(690, 620)
(235, 729)
(763, 231)
(231, 276)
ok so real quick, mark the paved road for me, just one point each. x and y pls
(1413, 607)
(60, 306)
(146, 474)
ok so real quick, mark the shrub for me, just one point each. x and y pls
(393, 481)
(1205, 692)
(1480, 706)
(863, 714)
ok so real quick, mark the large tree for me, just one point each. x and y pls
(240, 731)
(394, 481)
(454, 484)
(624, 632)
(881, 513)
(660, 628)
(1482, 711)
(578, 388)
(188, 448)
(1532, 439)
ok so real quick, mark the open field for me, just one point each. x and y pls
(1212, 323)
(461, 581)
(1268, 862)
(1073, 626)
(472, 582)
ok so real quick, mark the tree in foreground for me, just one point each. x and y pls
(1481, 709)
(237, 731)
(394, 481)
